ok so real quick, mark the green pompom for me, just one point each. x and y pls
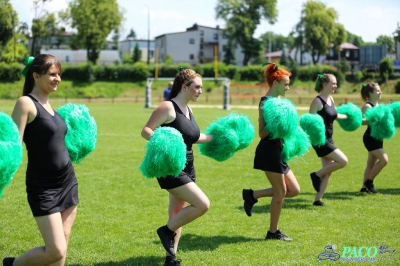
(10, 150)
(354, 117)
(81, 137)
(295, 145)
(280, 116)
(313, 125)
(165, 153)
(395, 107)
(381, 120)
(224, 144)
(242, 125)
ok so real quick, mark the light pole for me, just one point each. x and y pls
(148, 34)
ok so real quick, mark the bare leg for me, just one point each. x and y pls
(378, 161)
(292, 188)
(55, 230)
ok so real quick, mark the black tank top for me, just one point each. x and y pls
(368, 131)
(188, 127)
(329, 114)
(44, 141)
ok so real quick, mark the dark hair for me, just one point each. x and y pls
(272, 73)
(185, 76)
(40, 65)
(366, 89)
(321, 80)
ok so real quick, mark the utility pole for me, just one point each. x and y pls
(148, 35)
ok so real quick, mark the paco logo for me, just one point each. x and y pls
(359, 254)
(362, 252)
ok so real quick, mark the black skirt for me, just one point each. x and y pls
(53, 191)
(372, 144)
(268, 156)
(187, 175)
(325, 149)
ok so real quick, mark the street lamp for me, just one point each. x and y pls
(148, 34)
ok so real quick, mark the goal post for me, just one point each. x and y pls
(226, 81)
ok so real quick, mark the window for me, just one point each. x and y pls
(224, 37)
(330, 52)
(348, 53)
(191, 56)
(355, 53)
(201, 53)
(202, 33)
(191, 41)
(201, 47)
(224, 48)
(151, 53)
(215, 36)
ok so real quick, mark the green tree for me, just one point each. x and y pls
(137, 54)
(284, 58)
(132, 34)
(277, 41)
(115, 39)
(242, 18)
(8, 22)
(318, 29)
(386, 68)
(388, 41)
(94, 21)
(354, 39)
(229, 55)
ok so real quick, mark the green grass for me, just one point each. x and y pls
(120, 210)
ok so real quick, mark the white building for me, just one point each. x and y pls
(195, 46)
(127, 46)
(106, 57)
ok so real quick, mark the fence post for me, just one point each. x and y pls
(226, 94)
(148, 93)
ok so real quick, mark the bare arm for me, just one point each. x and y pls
(364, 110)
(23, 113)
(315, 106)
(204, 138)
(163, 114)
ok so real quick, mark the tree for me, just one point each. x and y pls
(131, 34)
(241, 19)
(386, 68)
(284, 58)
(8, 21)
(229, 55)
(388, 41)
(278, 41)
(95, 20)
(115, 39)
(137, 54)
(354, 39)
(318, 29)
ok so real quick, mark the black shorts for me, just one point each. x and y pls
(372, 144)
(325, 149)
(187, 175)
(53, 191)
(268, 156)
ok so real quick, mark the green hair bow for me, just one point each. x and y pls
(28, 63)
(319, 78)
(363, 85)
(180, 69)
(276, 67)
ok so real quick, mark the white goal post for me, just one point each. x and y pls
(149, 82)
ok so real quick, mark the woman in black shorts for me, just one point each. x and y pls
(176, 113)
(332, 158)
(51, 185)
(268, 158)
(377, 157)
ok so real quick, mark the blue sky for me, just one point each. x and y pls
(366, 18)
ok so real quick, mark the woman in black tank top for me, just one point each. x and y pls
(182, 190)
(332, 158)
(377, 157)
(268, 158)
(51, 184)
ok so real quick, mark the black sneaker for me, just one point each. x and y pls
(173, 263)
(249, 200)
(316, 181)
(370, 186)
(168, 241)
(278, 235)
(364, 190)
(8, 261)
(318, 203)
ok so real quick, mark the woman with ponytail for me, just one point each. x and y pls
(332, 158)
(187, 201)
(268, 155)
(51, 184)
(377, 157)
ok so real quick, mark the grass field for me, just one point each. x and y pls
(120, 210)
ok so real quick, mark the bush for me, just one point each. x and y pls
(359, 76)
(386, 68)
(397, 87)
(10, 72)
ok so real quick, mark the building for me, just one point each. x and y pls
(197, 45)
(127, 47)
(106, 57)
(348, 51)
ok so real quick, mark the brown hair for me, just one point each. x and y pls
(366, 89)
(321, 79)
(40, 65)
(272, 72)
(185, 76)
